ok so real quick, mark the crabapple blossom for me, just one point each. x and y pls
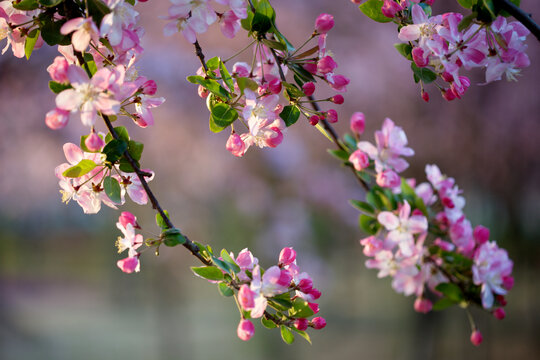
(476, 337)
(245, 330)
(324, 23)
(84, 30)
(359, 159)
(358, 123)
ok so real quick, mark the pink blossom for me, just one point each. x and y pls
(390, 8)
(476, 337)
(94, 142)
(481, 234)
(246, 297)
(301, 324)
(129, 264)
(235, 145)
(372, 245)
(318, 323)
(388, 179)
(58, 69)
(287, 256)
(359, 159)
(358, 123)
(122, 16)
(57, 119)
(128, 218)
(422, 305)
(84, 31)
(245, 330)
(337, 82)
(230, 24)
(324, 23)
(308, 88)
(131, 241)
(143, 105)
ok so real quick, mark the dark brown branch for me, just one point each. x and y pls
(200, 55)
(520, 15)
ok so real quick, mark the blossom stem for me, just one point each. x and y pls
(239, 52)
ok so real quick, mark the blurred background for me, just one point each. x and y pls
(62, 296)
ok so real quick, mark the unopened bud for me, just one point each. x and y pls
(318, 323)
(245, 330)
(94, 142)
(324, 23)
(422, 305)
(287, 256)
(358, 123)
(338, 99)
(332, 116)
(499, 313)
(309, 88)
(476, 338)
(301, 324)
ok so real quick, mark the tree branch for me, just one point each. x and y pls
(200, 55)
(520, 15)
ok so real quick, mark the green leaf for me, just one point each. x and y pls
(246, 83)
(114, 150)
(122, 133)
(269, 324)
(113, 189)
(50, 31)
(159, 220)
(30, 42)
(362, 206)
(467, 4)
(225, 290)
(97, 10)
(57, 87)
(125, 166)
(82, 168)
(290, 114)
(223, 265)
(424, 74)
(89, 63)
(303, 334)
(263, 18)
(301, 72)
(223, 115)
(293, 91)
(368, 224)
(208, 272)
(172, 237)
(281, 302)
(350, 141)
(373, 10)
(442, 304)
(135, 149)
(50, 3)
(213, 63)
(26, 5)
(374, 199)
(225, 76)
(405, 50)
(300, 309)
(490, 7)
(274, 44)
(339, 154)
(212, 85)
(286, 334)
(226, 257)
(451, 291)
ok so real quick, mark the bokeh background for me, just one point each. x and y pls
(62, 296)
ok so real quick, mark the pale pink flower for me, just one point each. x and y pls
(122, 15)
(58, 69)
(143, 105)
(84, 31)
(129, 264)
(246, 297)
(131, 241)
(287, 256)
(57, 119)
(235, 145)
(359, 159)
(388, 179)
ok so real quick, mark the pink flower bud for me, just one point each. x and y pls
(305, 285)
(422, 305)
(94, 142)
(315, 293)
(476, 338)
(275, 139)
(388, 179)
(245, 330)
(326, 65)
(332, 116)
(447, 202)
(448, 94)
(58, 70)
(241, 69)
(359, 159)
(246, 297)
(447, 76)
(57, 119)
(309, 88)
(311, 67)
(285, 278)
(324, 23)
(318, 323)
(356, 1)
(501, 300)
(481, 234)
(287, 256)
(508, 282)
(337, 99)
(149, 87)
(339, 83)
(129, 264)
(358, 123)
(499, 313)
(314, 307)
(425, 96)
(418, 57)
(275, 86)
(235, 145)
(390, 8)
(314, 120)
(203, 92)
(444, 245)
(301, 324)
(128, 218)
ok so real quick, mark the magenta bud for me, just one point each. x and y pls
(476, 338)
(508, 282)
(314, 120)
(338, 99)
(422, 305)
(358, 123)
(425, 96)
(305, 285)
(447, 76)
(301, 324)
(287, 256)
(149, 87)
(203, 92)
(245, 330)
(57, 119)
(499, 313)
(129, 264)
(314, 307)
(332, 116)
(315, 293)
(481, 234)
(128, 218)
(324, 23)
(285, 278)
(318, 323)
(94, 142)
(235, 145)
(326, 65)
(309, 88)
(501, 300)
(388, 179)
(275, 86)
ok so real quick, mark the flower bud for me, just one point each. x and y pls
(149, 87)
(418, 57)
(338, 99)
(390, 8)
(57, 119)
(501, 300)
(499, 313)
(339, 82)
(311, 67)
(305, 285)
(476, 337)
(275, 139)
(422, 305)
(94, 142)
(314, 120)
(128, 218)
(58, 70)
(446, 76)
(326, 65)
(285, 278)
(245, 330)
(287, 256)
(301, 324)
(481, 234)
(309, 88)
(318, 323)
(425, 96)
(246, 297)
(358, 123)
(241, 69)
(508, 282)
(359, 159)
(315, 293)
(332, 116)
(129, 264)
(324, 23)
(448, 94)
(388, 179)
(203, 92)
(275, 86)
(314, 307)
(235, 145)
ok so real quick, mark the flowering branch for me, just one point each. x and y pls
(520, 15)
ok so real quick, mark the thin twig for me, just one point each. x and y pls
(200, 55)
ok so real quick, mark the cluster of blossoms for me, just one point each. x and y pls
(194, 17)
(440, 46)
(419, 234)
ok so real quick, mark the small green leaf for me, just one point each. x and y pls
(246, 83)
(286, 334)
(300, 309)
(223, 115)
(293, 91)
(113, 189)
(264, 17)
(363, 206)
(50, 31)
(424, 74)
(50, 3)
(373, 10)
(274, 44)
(223, 265)
(213, 63)
(339, 154)
(301, 72)
(225, 76)
(368, 224)
(451, 291)
(135, 149)
(405, 50)
(125, 166)
(160, 222)
(122, 133)
(350, 141)
(226, 257)
(208, 272)
(225, 290)
(466, 22)
(467, 4)
(172, 237)
(269, 324)
(57, 87)
(303, 334)
(290, 114)
(26, 5)
(82, 168)
(114, 150)
(212, 85)
(281, 302)
(374, 199)
(30, 42)
(442, 304)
